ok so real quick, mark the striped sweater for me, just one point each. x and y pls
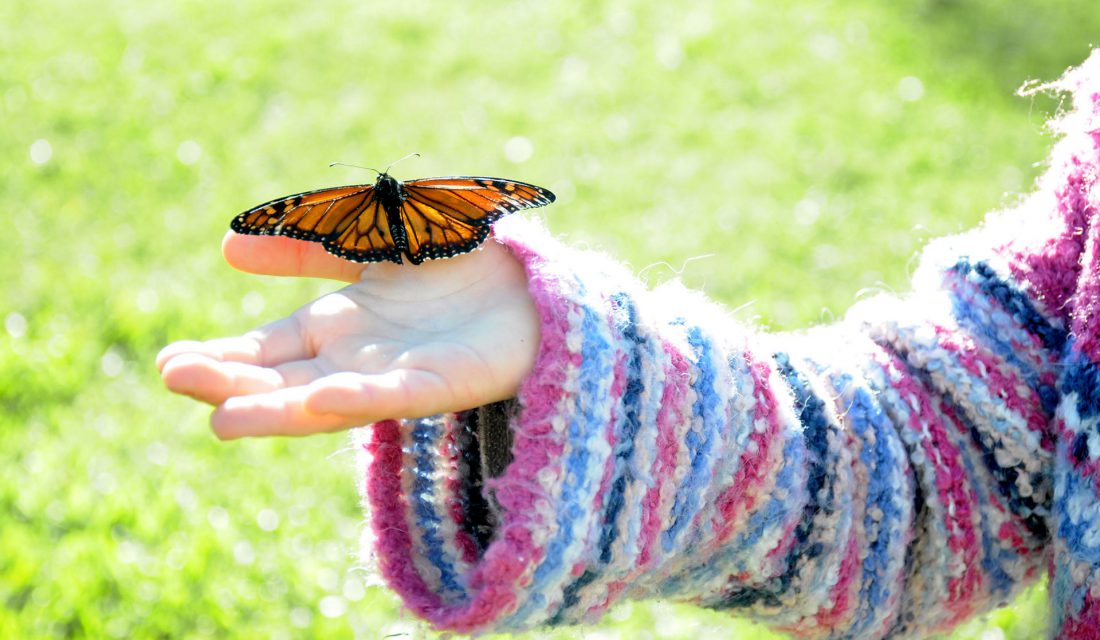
(887, 476)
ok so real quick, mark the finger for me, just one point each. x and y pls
(211, 381)
(339, 401)
(279, 413)
(280, 256)
(402, 393)
(271, 344)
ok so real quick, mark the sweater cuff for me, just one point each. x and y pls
(470, 553)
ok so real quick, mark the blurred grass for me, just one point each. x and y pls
(806, 148)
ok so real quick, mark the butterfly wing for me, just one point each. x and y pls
(369, 238)
(444, 217)
(348, 221)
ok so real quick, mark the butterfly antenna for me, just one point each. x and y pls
(400, 159)
(354, 166)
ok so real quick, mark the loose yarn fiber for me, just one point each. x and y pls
(890, 475)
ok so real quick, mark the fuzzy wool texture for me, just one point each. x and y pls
(891, 475)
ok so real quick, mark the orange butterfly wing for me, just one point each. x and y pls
(444, 217)
(348, 221)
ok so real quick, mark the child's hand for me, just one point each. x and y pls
(403, 342)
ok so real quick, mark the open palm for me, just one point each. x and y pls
(398, 342)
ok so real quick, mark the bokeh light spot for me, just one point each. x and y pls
(267, 519)
(333, 606)
(15, 324)
(41, 151)
(189, 152)
(217, 517)
(910, 89)
(112, 363)
(518, 149)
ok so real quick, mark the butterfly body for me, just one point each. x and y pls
(421, 219)
(391, 196)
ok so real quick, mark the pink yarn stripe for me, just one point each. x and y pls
(1086, 303)
(951, 482)
(387, 502)
(984, 366)
(963, 588)
(754, 472)
(454, 510)
(668, 418)
(841, 596)
(1083, 624)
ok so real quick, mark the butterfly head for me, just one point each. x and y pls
(389, 188)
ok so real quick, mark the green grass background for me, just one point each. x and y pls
(785, 155)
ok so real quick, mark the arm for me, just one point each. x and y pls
(894, 474)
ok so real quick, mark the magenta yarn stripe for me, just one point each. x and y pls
(844, 599)
(735, 504)
(657, 500)
(453, 490)
(1085, 325)
(1002, 383)
(965, 588)
(527, 491)
(944, 475)
(1002, 380)
(388, 519)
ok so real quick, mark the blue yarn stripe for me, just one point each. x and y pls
(812, 416)
(425, 439)
(595, 370)
(991, 552)
(709, 567)
(625, 323)
(1014, 301)
(1076, 525)
(768, 516)
(979, 325)
(708, 411)
(625, 440)
(866, 417)
(1020, 308)
(1025, 507)
(1082, 377)
(811, 413)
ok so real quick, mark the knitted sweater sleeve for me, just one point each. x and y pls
(890, 475)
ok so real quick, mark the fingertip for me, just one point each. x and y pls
(222, 425)
(244, 253)
(176, 348)
(190, 373)
(240, 416)
(282, 256)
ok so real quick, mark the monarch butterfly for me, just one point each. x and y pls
(423, 219)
